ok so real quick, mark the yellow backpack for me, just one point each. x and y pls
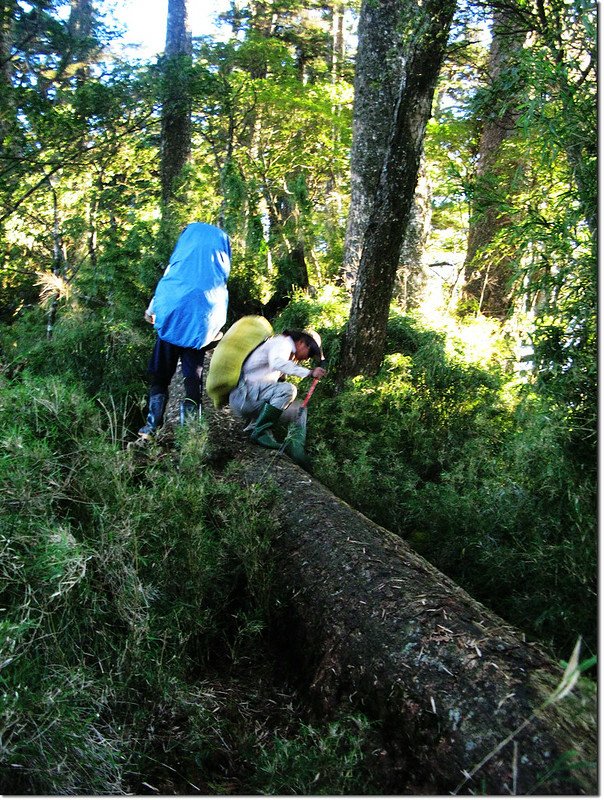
(230, 353)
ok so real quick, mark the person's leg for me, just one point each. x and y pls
(295, 417)
(192, 372)
(279, 395)
(273, 399)
(247, 399)
(162, 367)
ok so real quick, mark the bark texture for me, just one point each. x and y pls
(378, 73)
(488, 274)
(363, 346)
(176, 113)
(411, 276)
(371, 627)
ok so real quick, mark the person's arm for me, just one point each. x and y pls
(149, 315)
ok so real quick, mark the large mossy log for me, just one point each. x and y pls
(373, 628)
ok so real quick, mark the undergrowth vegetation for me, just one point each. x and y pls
(480, 472)
(132, 583)
(136, 584)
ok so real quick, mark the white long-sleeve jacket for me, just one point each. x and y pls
(273, 358)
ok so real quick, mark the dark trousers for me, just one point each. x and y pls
(164, 361)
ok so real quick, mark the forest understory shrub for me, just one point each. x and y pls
(133, 583)
(138, 585)
(107, 356)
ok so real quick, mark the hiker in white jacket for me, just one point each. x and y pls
(263, 396)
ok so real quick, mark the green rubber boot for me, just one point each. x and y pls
(262, 433)
(295, 441)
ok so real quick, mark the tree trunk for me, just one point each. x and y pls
(81, 28)
(364, 342)
(369, 627)
(581, 150)
(262, 23)
(411, 278)
(7, 21)
(58, 262)
(488, 274)
(379, 69)
(286, 212)
(176, 117)
(338, 48)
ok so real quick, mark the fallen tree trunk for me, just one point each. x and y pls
(374, 628)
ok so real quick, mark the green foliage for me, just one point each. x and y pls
(255, 117)
(124, 577)
(513, 516)
(318, 761)
(478, 472)
(107, 357)
(127, 578)
(119, 581)
(326, 313)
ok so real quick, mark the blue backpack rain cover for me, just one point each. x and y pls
(191, 298)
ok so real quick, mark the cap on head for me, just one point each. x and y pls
(311, 339)
(316, 351)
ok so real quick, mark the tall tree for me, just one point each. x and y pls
(378, 73)
(338, 45)
(568, 32)
(176, 112)
(427, 29)
(411, 275)
(83, 44)
(44, 128)
(556, 216)
(489, 272)
(7, 24)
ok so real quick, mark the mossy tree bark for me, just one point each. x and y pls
(411, 276)
(378, 73)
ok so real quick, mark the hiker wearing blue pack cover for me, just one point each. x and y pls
(188, 310)
(263, 398)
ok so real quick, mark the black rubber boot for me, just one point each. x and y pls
(155, 417)
(262, 433)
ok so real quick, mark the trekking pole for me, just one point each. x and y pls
(313, 386)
